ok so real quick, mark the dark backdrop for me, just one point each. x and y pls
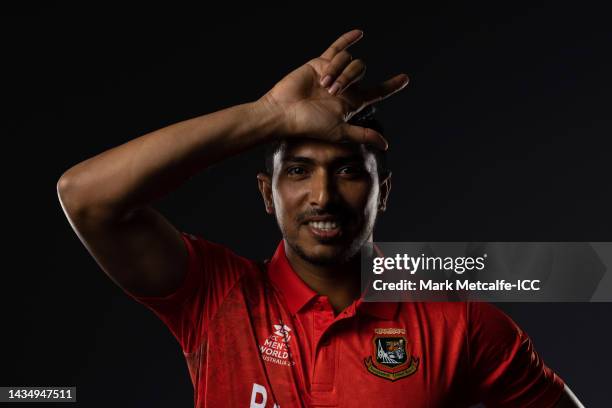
(502, 135)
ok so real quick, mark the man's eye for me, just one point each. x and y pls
(295, 171)
(348, 170)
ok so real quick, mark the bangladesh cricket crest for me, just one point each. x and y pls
(390, 358)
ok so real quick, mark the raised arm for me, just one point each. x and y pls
(107, 197)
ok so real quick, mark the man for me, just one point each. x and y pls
(294, 331)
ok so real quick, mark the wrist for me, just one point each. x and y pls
(271, 117)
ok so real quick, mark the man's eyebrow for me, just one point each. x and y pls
(349, 159)
(298, 159)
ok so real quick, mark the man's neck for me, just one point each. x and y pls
(340, 283)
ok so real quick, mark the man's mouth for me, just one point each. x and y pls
(325, 229)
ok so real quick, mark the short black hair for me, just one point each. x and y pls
(364, 118)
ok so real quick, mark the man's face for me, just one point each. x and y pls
(325, 197)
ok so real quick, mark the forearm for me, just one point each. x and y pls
(134, 174)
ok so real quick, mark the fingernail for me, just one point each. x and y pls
(334, 88)
(326, 81)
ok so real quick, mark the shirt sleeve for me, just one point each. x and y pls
(212, 270)
(505, 369)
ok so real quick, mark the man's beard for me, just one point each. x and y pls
(342, 257)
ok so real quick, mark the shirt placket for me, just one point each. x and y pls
(323, 377)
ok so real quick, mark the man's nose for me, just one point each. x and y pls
(322, 189)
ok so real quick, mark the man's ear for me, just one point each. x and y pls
(384, 189)
(264, 182)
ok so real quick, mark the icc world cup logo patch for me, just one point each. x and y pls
(390, 358)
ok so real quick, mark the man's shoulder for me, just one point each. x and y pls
(221, 256)
(472, 318)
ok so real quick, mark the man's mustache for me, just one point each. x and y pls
(340, 216)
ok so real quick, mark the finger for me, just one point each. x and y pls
(351, 74)
(335, 68)
(345, 40)
(386, 89)
(363, 135)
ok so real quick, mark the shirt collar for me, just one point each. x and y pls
(297, 293)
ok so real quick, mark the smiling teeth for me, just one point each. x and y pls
(323, 225)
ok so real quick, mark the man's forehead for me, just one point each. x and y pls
(320, 150)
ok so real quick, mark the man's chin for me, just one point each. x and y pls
(323, 253)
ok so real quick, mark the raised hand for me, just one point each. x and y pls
(320, 97)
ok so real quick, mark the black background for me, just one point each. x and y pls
(502, 135)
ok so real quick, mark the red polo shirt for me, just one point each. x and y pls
(257, 336)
